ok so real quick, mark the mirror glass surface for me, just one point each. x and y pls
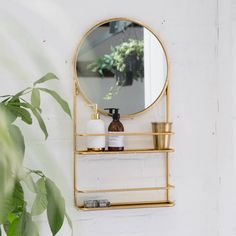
(121, 64)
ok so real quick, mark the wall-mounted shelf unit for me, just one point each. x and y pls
(124, 205)
(138, 77)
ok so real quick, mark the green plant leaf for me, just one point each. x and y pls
(45, 78)
(57, 97)
(23, 226)
(6, 99)
(39, 205)
(35, 98)
(38, 117)
(55, 208)
(37, 172)
(40, 202)
(6, 185)
(5, 96)
(14, 228)
(18, 202)
(10, 117)
(22, 104)
(39, 109)
(11, 217)
(20, 112)
(15, 203)
(18, 140)
(41, 188)
(31, 228)
(16, 96)
(6, 226)
(28, 180)
(41, 122)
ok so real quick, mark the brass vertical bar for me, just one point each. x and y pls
(74, 136)
(167, 177)
(167, 105)
(167, 155)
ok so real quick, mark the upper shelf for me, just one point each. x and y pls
(125, 134)
(128, 151)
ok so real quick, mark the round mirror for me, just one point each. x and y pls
(121, 63)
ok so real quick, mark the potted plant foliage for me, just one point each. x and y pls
(15, 212)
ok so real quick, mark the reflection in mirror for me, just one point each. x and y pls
(121, 64)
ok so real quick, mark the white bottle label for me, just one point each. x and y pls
(115, 141)
(95, 127)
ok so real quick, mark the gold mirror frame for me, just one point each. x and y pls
(76, 80)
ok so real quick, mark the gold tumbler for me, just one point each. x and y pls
(162, 141)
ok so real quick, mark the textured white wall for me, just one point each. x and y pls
(41, 36)
(226, 117)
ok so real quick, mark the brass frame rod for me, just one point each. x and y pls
(167, 154)
(125, 190)
(128, 151)
(130, 205)
(125, 134)
(74, 137)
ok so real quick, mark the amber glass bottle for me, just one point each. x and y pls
(115, 143)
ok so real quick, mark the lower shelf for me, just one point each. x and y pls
(134, 205)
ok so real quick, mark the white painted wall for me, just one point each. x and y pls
(226, 117)
(41, 36)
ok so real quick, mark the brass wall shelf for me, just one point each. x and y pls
(125, 134)
(134, 205)
(128, 151)
(123, 205)
(126, 190)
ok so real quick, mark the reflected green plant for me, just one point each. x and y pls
(15, 216)
(125, 62)
(116, 60)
